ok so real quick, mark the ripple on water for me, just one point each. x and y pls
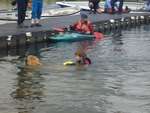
(116, 82)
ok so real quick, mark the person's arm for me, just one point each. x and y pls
(73, 27)
(91, 28)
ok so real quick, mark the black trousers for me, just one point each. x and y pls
(120, 5)
(22, 7)
(93, 6)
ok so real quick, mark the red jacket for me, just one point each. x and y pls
(83, 27)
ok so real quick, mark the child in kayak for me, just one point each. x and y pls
(83, 25)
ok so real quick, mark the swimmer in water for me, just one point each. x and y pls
(32, 60)
(82, 59)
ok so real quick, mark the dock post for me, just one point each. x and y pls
(125, 24)
(112, 23)
(47, 34)
(3, 42)
(115, 25)
(133, 21)
(118, 24)
(121, 23)
(109, 26)
(37, 37)
(148, 19)
(105, 27)
(142, 19)
(101, 27)
(139, 20)
(130, 22)
(145, 19)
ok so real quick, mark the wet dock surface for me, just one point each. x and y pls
(54, 22)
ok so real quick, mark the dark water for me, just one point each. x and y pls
(116, 82)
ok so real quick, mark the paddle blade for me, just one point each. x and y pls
(67, 63)
(98, 35)
(59, 29)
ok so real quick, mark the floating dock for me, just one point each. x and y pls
(11, 36)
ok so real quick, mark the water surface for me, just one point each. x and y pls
(116, 82)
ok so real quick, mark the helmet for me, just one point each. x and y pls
(84, 16)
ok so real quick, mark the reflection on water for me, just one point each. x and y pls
(29, 89)
(116, 82)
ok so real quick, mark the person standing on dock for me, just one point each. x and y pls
(113, 2)
(36, 13)
(22, 7)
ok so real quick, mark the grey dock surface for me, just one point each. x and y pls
(49, 24)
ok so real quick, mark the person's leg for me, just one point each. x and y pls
(120, 5)
(96, 7)
(34, 12)
(107, 6)
(95, 10)
(20, 5)
(24, 9)
(39, 10)
(91, 7)
(113, 5)
(19, 12)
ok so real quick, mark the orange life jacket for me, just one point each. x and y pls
(83, 27)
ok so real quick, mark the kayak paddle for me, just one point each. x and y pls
(98, 35)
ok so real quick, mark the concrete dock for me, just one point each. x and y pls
(11, 36)
(50, 23)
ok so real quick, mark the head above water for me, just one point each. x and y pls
(80, 53)
(81, 58)
(84, 17)
(32, 60)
